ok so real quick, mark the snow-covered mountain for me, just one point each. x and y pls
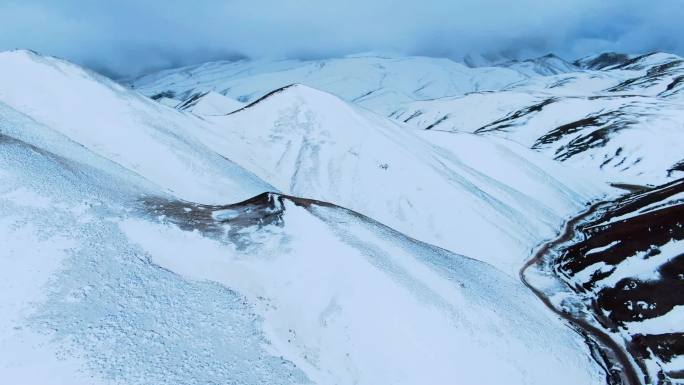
(305, 142)
(614, 113)
(124, 127)
(625, 120)
(544, 65)
(618, 115)
(99, 287)
(422, 184)
(375, 82)
(126, 260)
(602, 60)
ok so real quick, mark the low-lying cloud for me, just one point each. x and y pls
(127, 37)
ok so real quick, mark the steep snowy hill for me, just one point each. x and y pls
(375, 82)
(210, 103)
(108, 278)
(103, 311)
(124, 127)
(613, 113)
(449, 190)
(306, 142)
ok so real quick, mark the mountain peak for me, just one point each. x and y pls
(549, 64)
(292, 92)
(31, 64)
(648, 60)
(602, 60)
(25, 51)
(35, 56)
(20, 54)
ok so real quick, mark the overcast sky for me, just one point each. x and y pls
(128, 37)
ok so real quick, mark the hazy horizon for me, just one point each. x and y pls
(128, 38)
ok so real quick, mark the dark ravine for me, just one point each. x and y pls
(645, 229)
(610, 355)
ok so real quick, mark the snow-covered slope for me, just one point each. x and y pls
(109, 277)
(309, 143)
(627, 138)
(385, 308)
(463, 113)
(602, 60)
(210, 103)
(375, 82)
(158, 143)
(452, 190)
(85, 300)
(625, 121)
(613, 113)
(544, 65)
(655, 74)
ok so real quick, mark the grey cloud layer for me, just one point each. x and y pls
(130, 36)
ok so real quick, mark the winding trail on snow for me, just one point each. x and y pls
(628, 375)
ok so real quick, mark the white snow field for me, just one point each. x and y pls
(117, 270)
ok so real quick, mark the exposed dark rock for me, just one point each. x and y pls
(165, 94)
(500, 124)
(603, 60)
(630, 230)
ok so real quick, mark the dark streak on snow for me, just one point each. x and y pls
(192, 101)
(653, 76)
(259, 211)
(499, 125)
(261, 99)
(593, 131)
(679, 166)
(440, 120)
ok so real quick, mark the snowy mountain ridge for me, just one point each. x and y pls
(324, 148)
(127, 259)
(623, 120)
(359, 220)
(615, 113)
(619, 115)
(545, 65)
(370, 81)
